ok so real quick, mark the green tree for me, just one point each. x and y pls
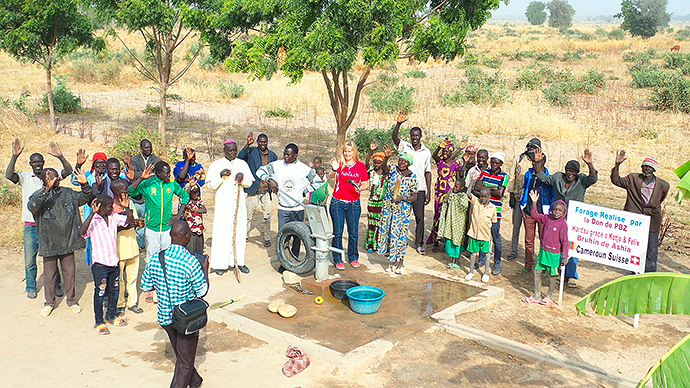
(560, 14)
(649, 293)
(332, 36)
(164, 25)
(41, 32)
(535, 13)
(643, 17)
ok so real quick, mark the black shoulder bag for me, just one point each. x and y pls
(190, 316)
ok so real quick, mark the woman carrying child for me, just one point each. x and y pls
(553, 252)
(378, 177)
(449, 170)
(401, 192)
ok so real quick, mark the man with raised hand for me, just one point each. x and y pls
(139, 163)
(257, 193)
(646, 192)
(422, 169)
(31, 181)
(56, 211)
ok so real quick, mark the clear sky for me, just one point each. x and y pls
(585, 8)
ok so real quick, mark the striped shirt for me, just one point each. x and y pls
(185, 277)
(104, 238)
(491, 180)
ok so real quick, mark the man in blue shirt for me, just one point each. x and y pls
(258, 193)
(187, 279)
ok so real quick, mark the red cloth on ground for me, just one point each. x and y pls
(298, 361)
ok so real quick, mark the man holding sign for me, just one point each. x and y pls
(646, 192)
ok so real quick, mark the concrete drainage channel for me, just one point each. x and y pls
(445, 320)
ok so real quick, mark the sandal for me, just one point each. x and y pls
(531, 299)
(546, 301)
(149, 297)
(118, 322)
(572, 283)
(102, 329)
(136, 309)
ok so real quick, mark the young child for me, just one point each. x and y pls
(127, 249)
(453, 222)
(482, 216)
(193, 214)
(316, 162)
(553, 252)
(101, 226)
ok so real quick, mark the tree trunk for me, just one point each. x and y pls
(339, 95)
(49, 85)
(163, 116)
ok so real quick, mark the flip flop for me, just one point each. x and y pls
(118, 322)
(546, 301)
(149, 297)
(102, 329)
(530, 299)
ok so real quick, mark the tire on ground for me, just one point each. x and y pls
(298, 265)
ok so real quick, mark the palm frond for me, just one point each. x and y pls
(672, 368)
(649, 293)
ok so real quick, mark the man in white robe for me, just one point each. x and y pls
(228, 177)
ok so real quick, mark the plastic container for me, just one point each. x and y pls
(365, 299)
(339, 288)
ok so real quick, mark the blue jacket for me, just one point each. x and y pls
(546, 193)
(252, 156)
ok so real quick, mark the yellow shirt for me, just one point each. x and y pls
(481, 218)
(127, 246)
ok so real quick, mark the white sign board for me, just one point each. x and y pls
(608, 236)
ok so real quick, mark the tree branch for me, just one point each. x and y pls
(331, 94)
(346, 95)
(358, 93)
(141, 68)
(179, 75)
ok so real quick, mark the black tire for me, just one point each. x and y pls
(304, 263)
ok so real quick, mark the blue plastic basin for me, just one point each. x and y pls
(365, 299)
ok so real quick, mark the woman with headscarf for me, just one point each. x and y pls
(449, 170)
(401, 192)
(378, 177)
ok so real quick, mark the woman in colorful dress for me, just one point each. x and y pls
(378, 177)
(449, 171)
(400, 193)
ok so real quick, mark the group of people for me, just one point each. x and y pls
(130, 209)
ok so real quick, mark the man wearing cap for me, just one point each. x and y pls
(646, 192)
(228, 177)
(567, 186)
(496, 180)
(422, 169)
(543, 206)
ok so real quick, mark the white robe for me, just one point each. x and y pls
(224, 219)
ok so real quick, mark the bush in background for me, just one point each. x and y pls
(230, 89)
(673, 94)
(18, 104)
(480, 88)
(278, 112)
(528, 79)
(386, 97)
(415, 74)
(64, 100)
(130, 143)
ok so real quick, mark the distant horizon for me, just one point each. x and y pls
(584, 9)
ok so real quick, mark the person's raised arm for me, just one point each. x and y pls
(616, 178)
(81, 159)
(402, 117)
(56, 152)
(85, 225)
(435, 156)
(148, 173)
(16, 151)
(129, 168)
(244, 152)
(387, 151)
(182, 175)
(593, 174)
(86, 194)
(372, 147)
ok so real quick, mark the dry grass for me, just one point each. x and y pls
(614, 118)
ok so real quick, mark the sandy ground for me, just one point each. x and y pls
(64, 351)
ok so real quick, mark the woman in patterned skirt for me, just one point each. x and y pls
(378, 176)
(449, 171)
(400, 193)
